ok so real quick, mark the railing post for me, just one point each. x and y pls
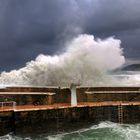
(10, 103)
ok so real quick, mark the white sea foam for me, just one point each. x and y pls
(103, 131)
(128, 78)
(86, 61)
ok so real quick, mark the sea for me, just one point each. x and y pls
(102, 131)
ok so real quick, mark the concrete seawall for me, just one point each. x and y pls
(49, 110)
(52, 95)
(64, 119)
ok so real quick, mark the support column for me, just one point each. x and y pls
(73, 95)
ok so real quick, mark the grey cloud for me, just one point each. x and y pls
(116, 15)
(30, 27)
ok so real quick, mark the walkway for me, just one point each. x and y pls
(64, 105)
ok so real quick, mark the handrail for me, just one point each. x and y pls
(95, 92)
(8, 102)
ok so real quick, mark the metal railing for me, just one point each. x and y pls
(9, 105)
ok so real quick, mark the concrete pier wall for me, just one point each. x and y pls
(97, 94)
(63, 119)
(66, 118)
(36, 96)
(52, 95)
(6, 122)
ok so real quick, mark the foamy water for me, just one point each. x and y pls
(128, 78)
(102, 131)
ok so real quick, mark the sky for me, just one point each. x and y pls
(32, 27)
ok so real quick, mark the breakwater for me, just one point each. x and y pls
(49, 109)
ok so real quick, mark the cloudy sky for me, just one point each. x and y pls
(31, 27)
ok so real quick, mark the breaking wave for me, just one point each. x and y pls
(102, 131)
(128, 78)
(86, 61)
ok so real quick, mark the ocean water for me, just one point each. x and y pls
(102, 131)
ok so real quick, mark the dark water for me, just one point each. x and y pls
(102, 131)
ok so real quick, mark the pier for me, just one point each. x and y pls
(52, 109)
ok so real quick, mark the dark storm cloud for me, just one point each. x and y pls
(30, 27)
(116, 16)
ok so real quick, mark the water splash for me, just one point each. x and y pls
(86, 61)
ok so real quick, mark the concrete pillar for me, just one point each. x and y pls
(73, 95)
